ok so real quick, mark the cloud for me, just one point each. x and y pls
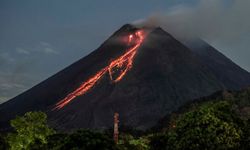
(15, 75)
(42, 47)
(20, 72)
(45, 43)
(6, 58)
(49, 50)
(46, 48)
(22, 51)
(7, 86)
(11, 84)
(3, 99)
(209, 19)
(224, 24)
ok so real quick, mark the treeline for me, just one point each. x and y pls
(222, 122)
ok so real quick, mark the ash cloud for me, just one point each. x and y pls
(209, 19)
(225, 24)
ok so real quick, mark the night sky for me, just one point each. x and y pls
(40, 37)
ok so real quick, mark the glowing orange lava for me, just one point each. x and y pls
(123, 64)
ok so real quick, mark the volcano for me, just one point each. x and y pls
(141, 73)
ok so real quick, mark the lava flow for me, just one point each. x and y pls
(123, 64)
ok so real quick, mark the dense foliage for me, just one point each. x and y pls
(30, 128)
(212, 126)
(82, 140)
(221, 122)
(128, 142)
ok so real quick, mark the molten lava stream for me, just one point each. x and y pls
(123, 63)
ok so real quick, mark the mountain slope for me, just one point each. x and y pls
(230, 74)
(164, 76)
(50, 91)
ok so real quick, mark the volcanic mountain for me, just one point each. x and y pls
(143, 74)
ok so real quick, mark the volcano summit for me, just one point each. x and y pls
(143, 74)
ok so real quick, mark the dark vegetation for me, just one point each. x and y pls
(221, 121)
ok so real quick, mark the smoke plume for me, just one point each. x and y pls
(209, 19)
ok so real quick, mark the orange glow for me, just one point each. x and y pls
(130, 38)
(82, 89)
(121, 65)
